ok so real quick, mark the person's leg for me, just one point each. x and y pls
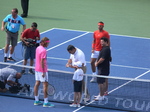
(78, 98)
(36, 87)
(25, 6)
(6, 48)
(93, 60)
(32, 57)
(26, 57)
(106, 87)
(45, 87)
(75, 97)
(31, 64)
(25, 62)
(14, 40)
(101, 87)
(36, 96)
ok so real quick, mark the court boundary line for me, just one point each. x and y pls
(67, 41)
(110, 34)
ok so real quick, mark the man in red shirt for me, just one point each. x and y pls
(96, 46)
(29, 38)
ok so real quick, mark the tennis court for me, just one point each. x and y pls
(127, 62)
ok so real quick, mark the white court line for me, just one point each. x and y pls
(111, 64)
(110, 34)
(114, 89)
(67, 41)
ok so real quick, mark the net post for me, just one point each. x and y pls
(85, 88)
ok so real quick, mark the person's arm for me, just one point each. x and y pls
(93, 45)
(69, 62)
(38, 35)
(3, 26)
(23, 37)
(23, 28)
(42, 65)
(11, 83)
(99, 61)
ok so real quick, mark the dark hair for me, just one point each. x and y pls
(101, 22)
(104, 39)
(70, 47)
(16, 10)
(34, 24)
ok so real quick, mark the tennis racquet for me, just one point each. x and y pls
(50, 90)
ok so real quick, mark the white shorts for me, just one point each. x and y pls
(95, 54)
(38, 76)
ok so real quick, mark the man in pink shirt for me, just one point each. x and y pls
(41, 72)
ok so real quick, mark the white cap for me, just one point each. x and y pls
(78, 63)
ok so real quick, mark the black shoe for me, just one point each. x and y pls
(24, 15)
(5, 59)
(22, 71)
(31, 71)
(10, 59)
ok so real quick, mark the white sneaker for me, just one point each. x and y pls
(73, 105)
(86, 99)
(99, 98)
(96, 96)
(78, 105)
(93, 79)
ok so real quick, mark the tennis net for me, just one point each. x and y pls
(123, 94)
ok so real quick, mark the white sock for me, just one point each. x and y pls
(10, 55)
(45, 100)
(36, 98)
(5, 54)
(94, 73)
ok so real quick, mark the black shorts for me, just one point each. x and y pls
(2, 85)
(101, 80)
(77, 86)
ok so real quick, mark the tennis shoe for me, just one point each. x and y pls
(86, 99)
(22, 71)
(73, 105)
(96, 96)
(93, 79)
(106, 93)
(5, 59)
(78, 105)
(48, 105)
(37, 102)
(11, 59)
(31, 71)
(100, 98)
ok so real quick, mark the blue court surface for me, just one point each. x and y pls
(130, 55)
(130, 58)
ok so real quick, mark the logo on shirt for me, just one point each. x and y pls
(13, 21)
